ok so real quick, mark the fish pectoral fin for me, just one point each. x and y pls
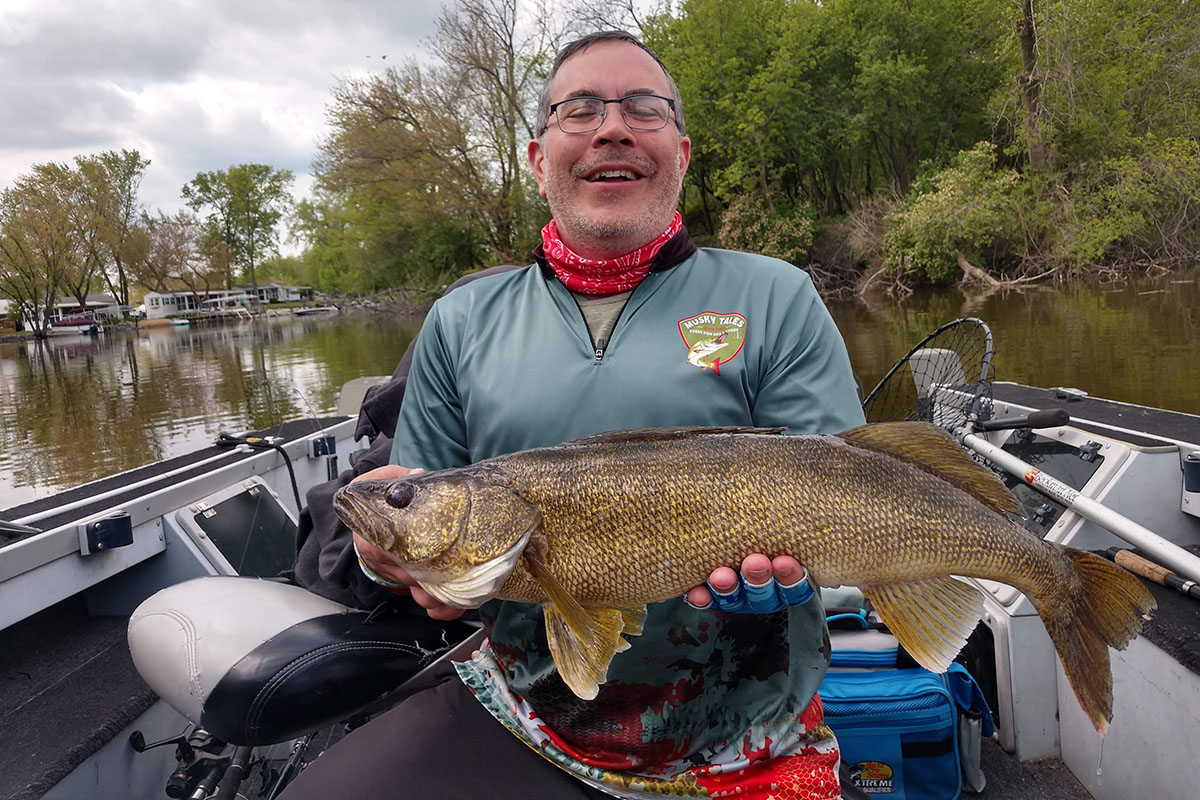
(634, 617)
(582, 640)
(931, 618)
(582, 661)
(563, 601)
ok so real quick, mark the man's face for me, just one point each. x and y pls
(603, 217)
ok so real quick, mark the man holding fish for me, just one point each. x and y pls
(622, 323)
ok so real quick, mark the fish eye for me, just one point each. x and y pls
(400, 495)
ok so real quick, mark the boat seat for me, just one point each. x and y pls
(258, 661)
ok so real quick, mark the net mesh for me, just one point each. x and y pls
(944, 379)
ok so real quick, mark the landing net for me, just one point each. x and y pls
(946, 379)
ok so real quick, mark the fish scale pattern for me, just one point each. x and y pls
(641, 517)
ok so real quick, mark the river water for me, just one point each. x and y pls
(75, 410)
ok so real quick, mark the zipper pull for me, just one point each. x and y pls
(600, 345)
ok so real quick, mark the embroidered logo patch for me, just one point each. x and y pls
(713, 338)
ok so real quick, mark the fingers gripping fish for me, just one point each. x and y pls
(595, 529)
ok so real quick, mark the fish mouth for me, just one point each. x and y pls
(352, 508)
(475, 586)
(357, 504)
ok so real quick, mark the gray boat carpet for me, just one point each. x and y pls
(67, 686)
(1151, 421)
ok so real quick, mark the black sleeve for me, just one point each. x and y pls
(325, 561)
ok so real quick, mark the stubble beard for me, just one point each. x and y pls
(624, 229)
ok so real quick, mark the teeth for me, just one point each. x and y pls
(628, 175)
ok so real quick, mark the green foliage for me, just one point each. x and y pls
(355, 246)
(1130, 208)
(748, 225)
(972, 207)
(245, 204)
(1114, 72)
(824, 103)
(424, 173)
(110, 185)
(1143, 206)
(40, 248)
(863, 111)
(1110, 133)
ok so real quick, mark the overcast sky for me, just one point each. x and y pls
(193, 85)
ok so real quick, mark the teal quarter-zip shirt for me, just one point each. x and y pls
(506, 363)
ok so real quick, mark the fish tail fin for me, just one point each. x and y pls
(1103, 608)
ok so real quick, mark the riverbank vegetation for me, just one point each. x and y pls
(873, 142)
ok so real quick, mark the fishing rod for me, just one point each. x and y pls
(1155, 572)
(946, 379)
(1159, 549)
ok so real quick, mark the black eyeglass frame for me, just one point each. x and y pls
(604, 111)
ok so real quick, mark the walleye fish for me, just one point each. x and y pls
(596, 528)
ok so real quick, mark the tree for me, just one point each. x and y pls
(110, 183)
(245, 205)
(424, 171)
(1031, 89)
(178, 256)
(37, 248)
(84, 229)
(820, 104)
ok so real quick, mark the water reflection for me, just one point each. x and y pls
(75, 410)
(1137, 341)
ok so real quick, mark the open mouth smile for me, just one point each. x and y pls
(612, 175)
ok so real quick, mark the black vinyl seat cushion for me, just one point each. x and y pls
(322, 671)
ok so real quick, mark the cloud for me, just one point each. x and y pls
(194, 86)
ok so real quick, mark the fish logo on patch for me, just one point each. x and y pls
(713, 338)
(873, 777)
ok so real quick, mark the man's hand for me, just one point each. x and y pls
(382, 564)
(765, 585)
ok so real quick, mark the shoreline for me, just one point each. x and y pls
(414, 302)
(399, 302)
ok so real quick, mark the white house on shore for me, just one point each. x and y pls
(168, 304)
(96, 307)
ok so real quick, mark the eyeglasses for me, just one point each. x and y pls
(641, 112)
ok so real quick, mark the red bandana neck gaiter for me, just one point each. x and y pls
(603, 276)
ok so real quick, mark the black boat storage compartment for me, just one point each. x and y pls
(244, 529)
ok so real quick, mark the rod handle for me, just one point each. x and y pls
(1139, 566)
(1154, 572)
(1047, 418)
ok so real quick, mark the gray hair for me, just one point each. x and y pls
(543, 117)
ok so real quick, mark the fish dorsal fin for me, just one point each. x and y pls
(661, 434)
(931, 450)
(582, 640)
(931, 618)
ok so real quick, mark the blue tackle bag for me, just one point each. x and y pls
(905, 733)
